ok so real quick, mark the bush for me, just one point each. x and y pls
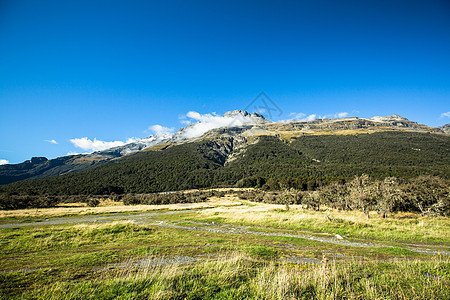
(93, 202)
(8, 202)
(428, 195)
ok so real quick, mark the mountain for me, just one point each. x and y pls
(239, 146)
(41, 167)
(445, 128)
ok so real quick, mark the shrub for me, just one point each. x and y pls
(93, 202)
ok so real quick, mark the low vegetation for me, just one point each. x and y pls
(240, 277)
(307, 218)
(135, 260)
(44, 201)
(426, 195)
(406, 227)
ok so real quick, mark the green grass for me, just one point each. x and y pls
(78, 262)
(353, 224)
(261, 251)
(237, 277)
(214, 241)
(396, 251)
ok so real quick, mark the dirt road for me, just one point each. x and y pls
(150, 219)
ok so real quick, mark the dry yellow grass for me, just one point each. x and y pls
(401, 226)
(287, 135)
(241, 277)
(354, 222)
(111, 207)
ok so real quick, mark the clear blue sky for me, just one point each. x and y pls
(110, 69)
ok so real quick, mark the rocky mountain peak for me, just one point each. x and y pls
(397, 117)
(234, 113)
(388, 119)
(256, 115)
(243, 113)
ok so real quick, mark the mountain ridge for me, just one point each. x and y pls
(304, 162)
(239, 129)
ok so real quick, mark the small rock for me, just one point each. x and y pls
(431, 275)
(339, 237)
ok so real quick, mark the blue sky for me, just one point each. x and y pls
(108, 70)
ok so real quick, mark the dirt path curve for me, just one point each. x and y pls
(148, 218)
(73, 220)
(248, 230)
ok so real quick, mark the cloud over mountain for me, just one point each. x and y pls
(206, 122)
(94, 145)
(161, 131)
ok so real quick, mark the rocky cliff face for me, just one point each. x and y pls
(393, 122)
(445, 128)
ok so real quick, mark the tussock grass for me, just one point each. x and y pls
(237, 276)
(401, 227)
(105, 207)
(116, 260)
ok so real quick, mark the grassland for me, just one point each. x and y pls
(222, 249)
(105, 207)
(397, 227)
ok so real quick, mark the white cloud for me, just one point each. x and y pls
(51, 141)
(4, 161)
(297, 116)
(304, 117)
(76, 153)
(94, 145)
(341, 115)
(310, 117)
(161, 131)
(206, 122)
(195, 115)
(131, 140)
(445, 115)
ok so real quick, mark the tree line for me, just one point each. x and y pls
(303, 163)
(427, 195)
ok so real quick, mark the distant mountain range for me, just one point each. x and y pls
(312, 148)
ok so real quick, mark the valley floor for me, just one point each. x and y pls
(222, 249)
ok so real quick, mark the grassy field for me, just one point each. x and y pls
(398, 227)
(222, 249)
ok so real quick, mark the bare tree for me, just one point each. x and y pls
(390, 193)
(363, 193)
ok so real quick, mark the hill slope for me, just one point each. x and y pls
(239, 125)
(302, 162)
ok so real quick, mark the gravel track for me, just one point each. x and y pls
(148, 218)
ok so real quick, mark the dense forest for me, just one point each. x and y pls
(303, 163)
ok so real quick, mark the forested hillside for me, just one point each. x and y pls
(305, 162)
